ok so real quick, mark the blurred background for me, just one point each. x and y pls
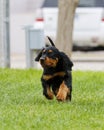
(88, 50)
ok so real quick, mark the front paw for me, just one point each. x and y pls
(49, 95)
(63, 92)
(61, 96)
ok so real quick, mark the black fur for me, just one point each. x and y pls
(57, 76)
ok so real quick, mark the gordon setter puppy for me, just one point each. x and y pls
(56, 78)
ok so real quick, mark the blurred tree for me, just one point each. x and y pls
(65, 25)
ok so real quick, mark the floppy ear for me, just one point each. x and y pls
(52, 43)
(70, 64)
(66, 61)
(39, 55)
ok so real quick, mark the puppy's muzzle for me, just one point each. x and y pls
(42, 60)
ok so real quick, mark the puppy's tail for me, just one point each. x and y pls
(52, 43)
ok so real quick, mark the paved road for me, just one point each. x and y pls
(82, 61)
(88, 61)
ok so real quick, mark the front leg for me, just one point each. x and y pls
(65, 89)
(63, 92)
(47, 90)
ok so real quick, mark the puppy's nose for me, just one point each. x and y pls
(42, 59)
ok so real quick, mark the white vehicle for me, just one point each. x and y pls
(88, 22)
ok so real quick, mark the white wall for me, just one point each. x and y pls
(22, 12)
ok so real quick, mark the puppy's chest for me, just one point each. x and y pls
(54, 76)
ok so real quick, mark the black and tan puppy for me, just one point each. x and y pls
(56, 79)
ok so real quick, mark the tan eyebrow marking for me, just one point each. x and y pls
(50, 51)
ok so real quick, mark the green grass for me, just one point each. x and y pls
(23, 107)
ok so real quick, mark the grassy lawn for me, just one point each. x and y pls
(23, 107)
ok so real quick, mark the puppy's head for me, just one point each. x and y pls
(48, 56)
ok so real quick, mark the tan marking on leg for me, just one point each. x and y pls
(63, 92)
(50, 93)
